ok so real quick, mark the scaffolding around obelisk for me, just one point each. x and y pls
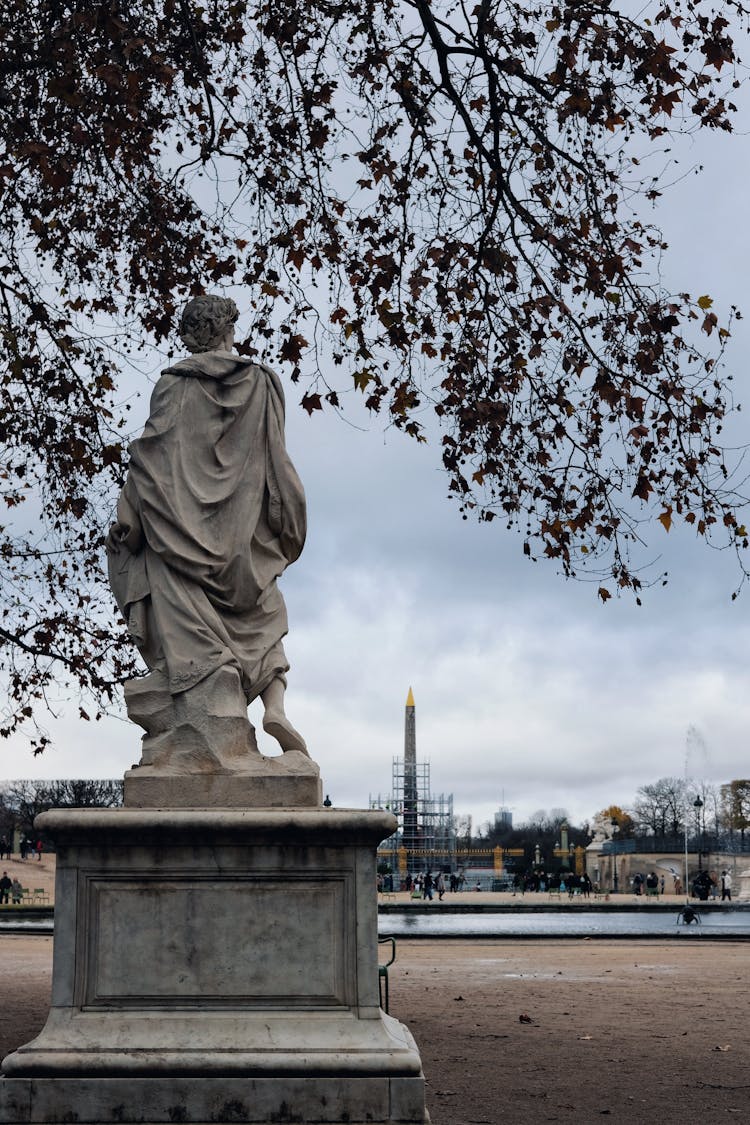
(425, 838)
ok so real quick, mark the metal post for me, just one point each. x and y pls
(698, 805)
(615, 881)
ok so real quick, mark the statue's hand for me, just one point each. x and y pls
(114, 538)
(120, 535)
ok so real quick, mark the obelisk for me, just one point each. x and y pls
(410, 780)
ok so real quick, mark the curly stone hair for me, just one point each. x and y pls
(205, 320)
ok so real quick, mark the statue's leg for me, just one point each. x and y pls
(275, 721)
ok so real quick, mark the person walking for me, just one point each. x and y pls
(5, 885)
(726, 886)
(440, 886)
(429, 885)
(16, 892)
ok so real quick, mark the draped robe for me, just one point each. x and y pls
(211, 514)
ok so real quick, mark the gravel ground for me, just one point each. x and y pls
(648, 1033)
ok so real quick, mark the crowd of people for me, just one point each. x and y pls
(11, 890)
(652, 883)
(26, 847)
(427, 885)
(556, 882)
(707, 884)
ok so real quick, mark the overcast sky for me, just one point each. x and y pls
(528, 690)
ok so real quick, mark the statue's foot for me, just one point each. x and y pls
(278, 726)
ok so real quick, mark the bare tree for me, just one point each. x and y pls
(660, 807)
(24, 800)
(548, 821)
(432, 205)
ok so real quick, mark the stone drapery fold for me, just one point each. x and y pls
(211, 514)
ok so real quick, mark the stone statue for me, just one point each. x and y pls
(601, 828)
(211, 514)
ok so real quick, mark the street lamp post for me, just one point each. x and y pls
(698, 805)
(615, 830)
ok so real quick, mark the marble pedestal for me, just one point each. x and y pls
(215, 966)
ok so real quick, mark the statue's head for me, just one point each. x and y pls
(205, 322)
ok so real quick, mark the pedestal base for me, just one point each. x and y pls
(257, 1101)
(216, 966)
(289, 780)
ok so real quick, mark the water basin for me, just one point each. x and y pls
(595, 923)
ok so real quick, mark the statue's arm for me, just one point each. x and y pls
(287, 509)
(127, 531)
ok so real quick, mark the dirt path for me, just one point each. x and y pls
(648, 1033)
(25, 986)
(643, 1033)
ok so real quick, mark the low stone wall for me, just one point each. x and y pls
(671, 864)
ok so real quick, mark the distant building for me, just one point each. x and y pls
(503, 819)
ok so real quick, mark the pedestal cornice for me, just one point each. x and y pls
(300, 825)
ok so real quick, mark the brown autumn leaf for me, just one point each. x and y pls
(643, 487)
(311, 403)
(291, 348)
